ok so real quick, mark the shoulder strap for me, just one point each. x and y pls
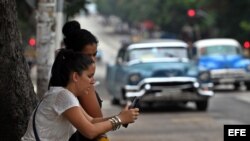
(34, 123)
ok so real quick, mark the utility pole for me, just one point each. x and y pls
(45, 43)
(59, 23)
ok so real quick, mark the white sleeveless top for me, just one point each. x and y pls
(50, 124)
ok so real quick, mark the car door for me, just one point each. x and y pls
(119, 72)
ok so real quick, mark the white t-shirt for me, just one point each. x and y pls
(50, 124)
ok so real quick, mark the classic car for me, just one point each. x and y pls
(158, 71)
(224, 59)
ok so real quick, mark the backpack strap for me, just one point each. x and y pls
(34, 123)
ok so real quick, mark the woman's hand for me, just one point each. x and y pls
(128, 115)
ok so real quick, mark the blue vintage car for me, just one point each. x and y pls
(223, 58)
(158, 71)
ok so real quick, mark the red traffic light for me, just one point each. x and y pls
(246, 44)
(32, 42)
(191, 12)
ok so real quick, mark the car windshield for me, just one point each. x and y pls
(154, 65)
(219, 50)
(157, 52)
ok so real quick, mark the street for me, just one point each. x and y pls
(165, 123)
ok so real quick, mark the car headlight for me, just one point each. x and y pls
(204, 76)
(134, 78)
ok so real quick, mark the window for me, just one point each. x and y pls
(157, 52)
(219, 50)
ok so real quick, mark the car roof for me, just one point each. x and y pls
(216, 41)
(158, 43)
(157, 60)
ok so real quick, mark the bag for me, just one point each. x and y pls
(77, 136)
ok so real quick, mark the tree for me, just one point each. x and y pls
(18, 98)
(73, 7)
(233, 18)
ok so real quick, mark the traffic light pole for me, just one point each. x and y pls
(45, 43)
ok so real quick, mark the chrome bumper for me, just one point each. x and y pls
(170, 88)
(229, 75)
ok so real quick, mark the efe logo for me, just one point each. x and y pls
(236, 133)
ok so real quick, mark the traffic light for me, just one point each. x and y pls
(32, 42)
(246, 44)
(191, 12)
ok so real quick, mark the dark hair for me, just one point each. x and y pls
(68, 61)
(77, 38)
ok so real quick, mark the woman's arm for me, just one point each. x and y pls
(95, 120)
(121, 115)
(90, 103)
(82, 121)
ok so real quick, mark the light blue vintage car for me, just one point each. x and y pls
(223, 58)
(158, 71)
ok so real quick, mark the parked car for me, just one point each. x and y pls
(224, 59)
(158, 71)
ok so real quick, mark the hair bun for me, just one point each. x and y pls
(70, 28)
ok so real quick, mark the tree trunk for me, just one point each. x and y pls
(18, 98)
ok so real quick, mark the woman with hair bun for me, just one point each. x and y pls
(83, 41)
(59, 114)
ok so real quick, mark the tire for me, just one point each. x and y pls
(248, 88)
(236, 86)
(247, 84)
(202, 105)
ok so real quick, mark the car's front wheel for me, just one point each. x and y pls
(236, 86)
(247, 84)
(202, 105)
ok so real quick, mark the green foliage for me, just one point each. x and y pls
(105, 6)
(72, 7)
(245, 25)
(231, 17)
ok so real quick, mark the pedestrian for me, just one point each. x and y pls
(82, 40)
(60, 114)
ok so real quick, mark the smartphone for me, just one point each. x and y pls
(135, 103)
